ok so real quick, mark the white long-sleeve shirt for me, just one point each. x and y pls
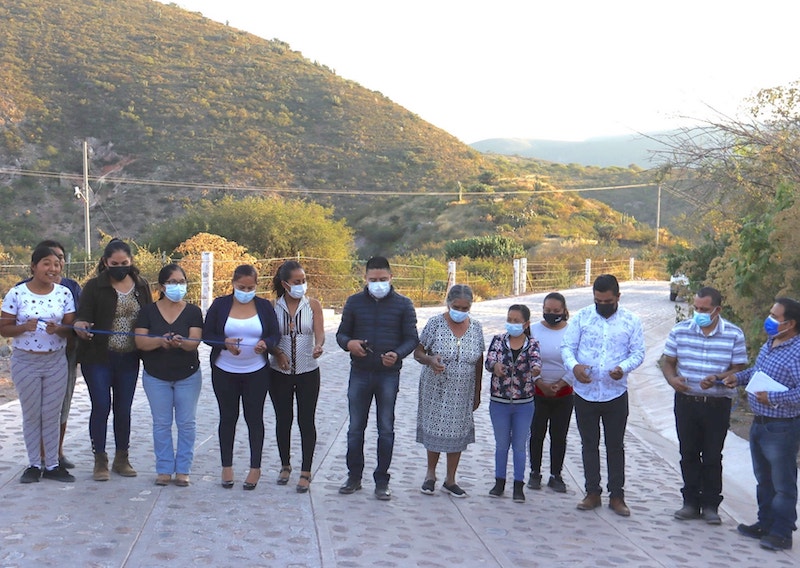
(604, 344)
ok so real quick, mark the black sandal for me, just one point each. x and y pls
(283, 480)
(303, 488)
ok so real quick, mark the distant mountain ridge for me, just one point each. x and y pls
(603, 151)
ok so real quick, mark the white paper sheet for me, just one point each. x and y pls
(762, 382)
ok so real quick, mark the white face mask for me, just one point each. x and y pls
(297, 291)
(379, 289)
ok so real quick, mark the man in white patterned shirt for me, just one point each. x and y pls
(697, 351)
(602, 344)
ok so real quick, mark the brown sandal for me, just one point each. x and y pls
(303, 487)
(283, 476)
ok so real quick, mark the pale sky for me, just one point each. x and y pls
(556, 69)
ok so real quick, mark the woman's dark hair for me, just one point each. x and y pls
(41, 252)
(52, 244)
(244, 270)
(166, 272)
(113, 246)
(526, 314)
(559, 297)
(283, 274)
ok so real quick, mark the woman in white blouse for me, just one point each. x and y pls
(295, 368)
(32, 315)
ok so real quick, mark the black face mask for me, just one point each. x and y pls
(606, 310)
(553, 319)
(118, 273)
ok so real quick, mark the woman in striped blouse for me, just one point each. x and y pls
(296, 371)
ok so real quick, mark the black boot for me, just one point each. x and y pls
(499, 487)
(519, 495)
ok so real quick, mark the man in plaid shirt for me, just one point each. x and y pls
(775, 433)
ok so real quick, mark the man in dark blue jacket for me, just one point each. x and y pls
(379, 329)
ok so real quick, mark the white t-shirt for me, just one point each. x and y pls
(550, 351)
(26, 305)
(247, 361)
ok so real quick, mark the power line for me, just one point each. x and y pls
(321, 191)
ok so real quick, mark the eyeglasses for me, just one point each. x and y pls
(175, 282)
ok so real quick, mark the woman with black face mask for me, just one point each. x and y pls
(553, 397)
(110, 362)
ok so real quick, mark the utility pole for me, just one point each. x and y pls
(84, 194)
(658, 214)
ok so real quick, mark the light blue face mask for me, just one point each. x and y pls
(458, 316)
(175, 292)
(515, 329)
(703, 320)
(242, 296)
(379, 289)
(297, 291)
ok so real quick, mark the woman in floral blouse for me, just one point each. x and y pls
(515, 363)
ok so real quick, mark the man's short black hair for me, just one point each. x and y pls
(606, 283)
(378, 263)
(709, 292)
(791, 310)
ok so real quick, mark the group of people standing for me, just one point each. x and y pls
(115, 324)
(539, 371)
(536, 372)
(704, 359)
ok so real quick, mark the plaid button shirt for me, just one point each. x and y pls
(782, 363)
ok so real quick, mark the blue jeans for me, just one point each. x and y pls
(774, 447)
(178, 398)
(512, 428)
(111, 384)
(384, 386)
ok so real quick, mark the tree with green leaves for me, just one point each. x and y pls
(272, 227)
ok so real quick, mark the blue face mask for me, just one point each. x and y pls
(379, 289)
(458, 316)
(242, 296)
(175, 292)
(515, 329)
(771, 326)
(703, 320)
(297, 291)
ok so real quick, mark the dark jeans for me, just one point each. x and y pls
(111, 385)
(774, 447)
(283, 389)
(251, 389)
(363, 386)
(555, 412)
(702, 427)
(614, 416)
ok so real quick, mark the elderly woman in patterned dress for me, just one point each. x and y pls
(451, 350)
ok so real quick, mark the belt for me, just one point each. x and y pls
(758, 419)
(502, 400)
(704, 399)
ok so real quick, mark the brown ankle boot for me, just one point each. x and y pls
(121, 464)
(101, 467)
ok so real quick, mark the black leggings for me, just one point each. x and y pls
(556, 411)
(251, 389)
(305, 386)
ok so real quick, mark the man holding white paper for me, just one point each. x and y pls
(775, 433)
(696, 352)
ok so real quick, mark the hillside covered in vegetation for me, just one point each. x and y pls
(178, 109)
